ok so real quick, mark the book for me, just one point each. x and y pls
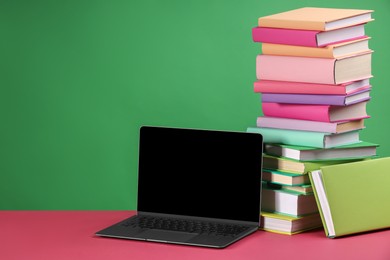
(305, 189)
(315, 99)
(287, 202)
(302, 153)
(314, 18)
(307, 37)
(305, 138)
(294, 166)
(306, 125)
(332, 51)
(353, 197)
(313, 70)
(322, 113)
(284, 178)
(274, 86)
(288, 225)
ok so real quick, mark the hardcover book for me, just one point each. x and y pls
(313, 70)
(287, 202)
(274, 86)
(358, 150)
(353, 197)
(322, 113)
(289, 225)
(298, 167)
(314, 18)
(306, 125)
(332, 51)
(305, 138)
(315, 99)
(284, 178)
(306, 37)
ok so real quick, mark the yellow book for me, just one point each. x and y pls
(288, 225)
(333, 51)
(319, 19)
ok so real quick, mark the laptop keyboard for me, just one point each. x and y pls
(185, 225)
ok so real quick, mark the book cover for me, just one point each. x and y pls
(332, 51)
(322, 113)
(306, 37)
(315, 99)
(306, 125)
(352, 198)
(274, 86)
(313, 70)
(360, 150)
(314, 18)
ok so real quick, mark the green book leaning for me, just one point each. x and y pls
(353, 197)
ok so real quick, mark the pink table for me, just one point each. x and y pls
(69, 235)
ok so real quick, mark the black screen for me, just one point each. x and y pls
(204, 173)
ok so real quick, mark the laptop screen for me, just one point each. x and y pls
(204, 173)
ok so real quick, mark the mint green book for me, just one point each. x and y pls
(295, 166)
(353, 197)
(305, 138)
(304, 153)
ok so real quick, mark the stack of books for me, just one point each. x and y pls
(314, 78)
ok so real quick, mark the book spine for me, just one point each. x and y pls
(297, 111)
(296, 69)
(291, 137)
(285, 36)
(294, 124)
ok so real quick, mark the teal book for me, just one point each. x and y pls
(353, 197)
(358, 150)
(305, 138)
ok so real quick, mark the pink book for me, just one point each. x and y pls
(273, 86)
(313, 70)
(306, 125)
(315, 99)
(307, 37)
(323, 113)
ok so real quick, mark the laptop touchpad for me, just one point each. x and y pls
(166, 235)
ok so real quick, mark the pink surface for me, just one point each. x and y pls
(297, 69)
(58, 235)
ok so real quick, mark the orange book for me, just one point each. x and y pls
(333, 51)
(312, 18)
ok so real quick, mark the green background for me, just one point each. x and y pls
(78, 78)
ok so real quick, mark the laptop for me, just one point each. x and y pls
(195, 187)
